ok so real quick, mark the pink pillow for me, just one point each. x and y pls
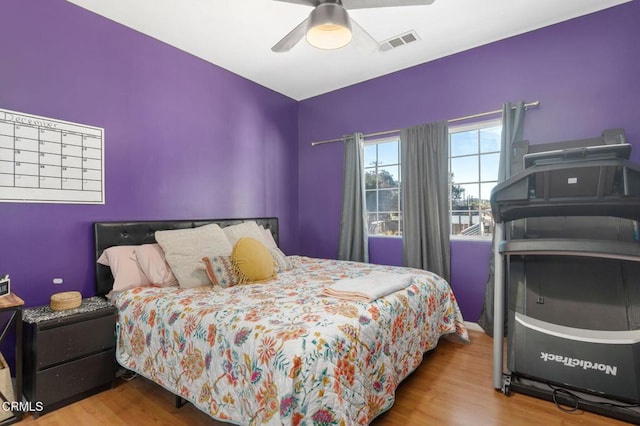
(124, 267)
(151, 260)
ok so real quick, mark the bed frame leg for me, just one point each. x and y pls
(180, 401)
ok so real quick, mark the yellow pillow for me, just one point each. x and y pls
(252, 261)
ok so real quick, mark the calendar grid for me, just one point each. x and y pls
(50, 161)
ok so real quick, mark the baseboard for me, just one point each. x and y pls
(473, 326)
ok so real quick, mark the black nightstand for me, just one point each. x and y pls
(68, 355)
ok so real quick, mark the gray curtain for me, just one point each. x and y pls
(424, 178)
(512, 126)
(354, 243)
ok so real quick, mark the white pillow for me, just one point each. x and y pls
(269, 242)
(249, 229)
(184, 248)
(151, 260)
(124, 267)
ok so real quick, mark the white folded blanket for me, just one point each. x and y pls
(368, 288)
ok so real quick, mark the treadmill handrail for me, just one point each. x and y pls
(609, 205)
(622, 250)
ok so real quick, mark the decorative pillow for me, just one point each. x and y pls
(151, 260)
(124, 267)
(252, 261)
(282, 263)
(184, 249)
(249, 229)
(220, 271)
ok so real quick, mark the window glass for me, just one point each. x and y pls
(489, 166)
(464, 143)
(370, 178)
(465, 169)
(372, 201)
(490, 139)
(382, 186)
(485, 192)
(370, 155)
(388, 153)
(473, 167)
(388, 177)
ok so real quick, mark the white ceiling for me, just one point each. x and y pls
(238, 34)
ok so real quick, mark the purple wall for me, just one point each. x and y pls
(184, 139)
(385, 250)
(585, 73)
(187, 139)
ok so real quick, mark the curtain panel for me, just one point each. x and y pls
(354, 238)
(512, 128)
(425, 197)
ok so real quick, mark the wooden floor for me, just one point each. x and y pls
(452, 386)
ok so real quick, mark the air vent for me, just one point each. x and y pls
(399, 40)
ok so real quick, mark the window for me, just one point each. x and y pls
(382, 186)
(474, 155)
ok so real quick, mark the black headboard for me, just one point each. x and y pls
(108, 234)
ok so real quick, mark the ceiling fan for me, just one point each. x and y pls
(330, 27)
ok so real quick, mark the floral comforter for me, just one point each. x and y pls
(278, 352)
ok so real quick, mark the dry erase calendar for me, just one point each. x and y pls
(44, 160)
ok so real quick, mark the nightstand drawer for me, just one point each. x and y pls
(60, 344)
(68, 355)
(72, 379)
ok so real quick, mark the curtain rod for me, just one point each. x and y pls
(453, 120)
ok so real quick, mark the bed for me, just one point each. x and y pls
(277, 352)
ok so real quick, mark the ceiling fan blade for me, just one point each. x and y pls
(313, 3)
(291, 39)
(367, 4)
(362, 40)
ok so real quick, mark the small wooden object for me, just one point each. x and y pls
(10, 301)
(65, 300)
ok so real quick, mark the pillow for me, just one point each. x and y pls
(252, 261)
(184, 249)
(220, 271)
(150, 258)
(267, 238)
(249, 229)
(124, 267)
(281, 262)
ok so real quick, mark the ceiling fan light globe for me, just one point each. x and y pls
(329, 37)
(329, 27)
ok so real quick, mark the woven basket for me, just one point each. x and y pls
(65, 300)
(6, 388)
